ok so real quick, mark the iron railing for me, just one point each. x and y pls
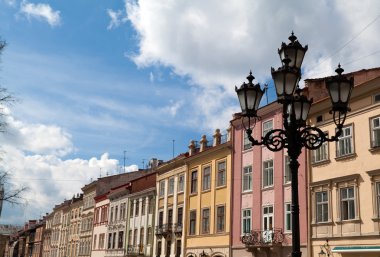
(260, 238)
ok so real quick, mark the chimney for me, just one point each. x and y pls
(203, 143)
(229, 133)
(191, 148)
(217, 138)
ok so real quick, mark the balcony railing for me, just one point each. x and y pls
(178, 229)
(167, 229)
(135, 249)
(159, 230)
(260, 238)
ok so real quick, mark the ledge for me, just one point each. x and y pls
(327, 223)
(346, 157)
(357, 220)
(320, 163)
(374, 149)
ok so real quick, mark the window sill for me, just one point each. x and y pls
(324, 223)
(193, 194)
(320, 163)
(271, 187)
(288, 183)
(206, 190)
(374, 149)
(246, 192)
(221, 187)
(346, 157)
(376, 219)
(357, 220)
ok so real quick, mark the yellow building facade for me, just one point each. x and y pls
(208, 198)
(344, 180)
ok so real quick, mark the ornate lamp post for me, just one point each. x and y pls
(295, 134)
(326, 246)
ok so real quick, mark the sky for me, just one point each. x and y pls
(99, 80)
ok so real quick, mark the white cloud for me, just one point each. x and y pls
(116, 18)
(215, 44)
(41, 12)
(10, 2)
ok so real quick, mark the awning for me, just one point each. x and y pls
(355, 249)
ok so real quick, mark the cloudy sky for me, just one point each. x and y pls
(96, 78)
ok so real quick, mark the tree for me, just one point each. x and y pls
(8, 193)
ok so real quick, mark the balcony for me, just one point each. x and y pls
(159, 231)
(263, 238)
(178, 229)
(167, 229)
(135, 249)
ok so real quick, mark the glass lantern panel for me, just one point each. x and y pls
(259, 96)
(291, 54)
(334, 91)
(279, 83)
(297, 109)
(305, 111)
(300, 56)
(242, 102)
(345, 89)
(251, 99)
(290, 83)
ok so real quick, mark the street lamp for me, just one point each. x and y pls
(295, 134)
(326, 246)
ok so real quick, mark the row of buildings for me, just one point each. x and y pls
(225, 198)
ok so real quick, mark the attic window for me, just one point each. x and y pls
(377, 98)
(319, 118)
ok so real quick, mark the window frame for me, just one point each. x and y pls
(171, 186)
(266, 172)
(205, 224)
(244, 219)
(349, 138)
(247, 145)
(217, 219)
(206, 183)
(266, 130)
(192, 222)
(247, 175)
(181, 183)
(287, 171)
(375, 139)
(269, 216)
(161, 190)
(347, 200)
(324, 204)
(221, 173)
(288, 217)
(323, 152)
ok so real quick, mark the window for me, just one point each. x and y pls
(268, 218)
(194, 181)
(247, 178)
(160, 218)
(130, 237)
(101, 241)
(171, 186)
(321, 154)
(109, 240)
(322, 206)
(375, 132)
(116, 211)
(159, 248)
(288, 217)
(142, 236)
(120, 240)
(162, 188)
(220, 220)
(378, 198)
(178, 248)
(345, 144)
(151, 205)
(192, 223)
(114, 240)
(347, 198)
(287, 172)
(377, 98)
(179, 215)
(111, 215)
(150, 234)
(221, 180)
(131, 210)
(267, 126)
(170, 216)
(137, 207)
(268, 173)
(135, 236)
(206, 185)
(143, 206)
(94, 244)
(206, 221)
(246, 143)
(181, 181)
(246, 221)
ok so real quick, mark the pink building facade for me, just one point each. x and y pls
(261, 192)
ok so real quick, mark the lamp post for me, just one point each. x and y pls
(326, 246)
(295, 133)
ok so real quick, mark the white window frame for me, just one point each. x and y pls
(206, 178)
(351, 202)
(268, 172)
(321, 205)
(267, 217)
(181, 183)
(222, 173)
(246, 215)
(346, 140)
(247, 175)
(171, 186)
(321, 154)
(162, 188)
(205, 229)
(375, 132)
(288, 217)
(246, 143)
(287, 171)
(377, 190)
(223, 219)
(267, 126)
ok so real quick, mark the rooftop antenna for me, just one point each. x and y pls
(173, 148)
(124, 160)
(266, 92)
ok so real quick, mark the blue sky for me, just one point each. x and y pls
(95, 78)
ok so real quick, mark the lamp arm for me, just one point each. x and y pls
(275, 140)
(251, 139)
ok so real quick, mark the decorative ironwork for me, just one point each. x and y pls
(135, 249)
(159, 231)
(178, 229)
(261, 238)
(167, 229)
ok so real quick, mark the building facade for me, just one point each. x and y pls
(208, 203)
(169, 237)
(345, 175)
(261, 192)
(75, 215)
(100, 226)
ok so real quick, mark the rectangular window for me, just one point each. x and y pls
(321, 154)
(114, 240)
(192, 222)
(159, 248)
(131, 210)
(178, 248)
(194, 182)
(170, 216)
(246, 221)
(160, 218)
(120, 240)
(179, 215)
(268, 173)
(287, 173)
(116, 211)
(111, 214)
(206, 183)
(94, 244)
(267, 126)
(247, 178)
(221, 180)
(137, 207)
(205, 221)
(347, 198)
(378, 198)
(345, 145)
(109, 240)
(220, 219)
(288, 217)
(151, 205)
(162, 188)
(181, 182)
(268, 218)
(171, 186)
(143, 206)
(375, 135)
(322, 206)
(246, 143)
